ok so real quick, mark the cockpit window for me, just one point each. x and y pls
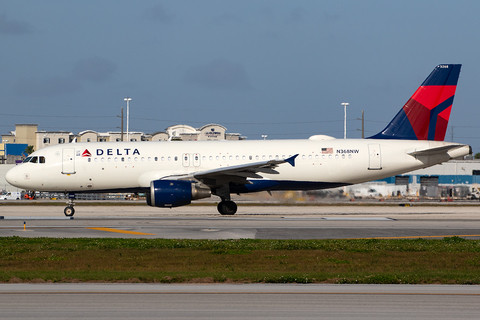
(40, 159)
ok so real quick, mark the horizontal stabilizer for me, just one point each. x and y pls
(434, 151)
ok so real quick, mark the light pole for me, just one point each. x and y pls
(128, 116)
(344, 104)
(264, 136)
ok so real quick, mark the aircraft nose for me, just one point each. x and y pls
(12, 176)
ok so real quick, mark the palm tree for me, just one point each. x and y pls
(29, 149)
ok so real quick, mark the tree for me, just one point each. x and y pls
(29, 149)
(477, 155)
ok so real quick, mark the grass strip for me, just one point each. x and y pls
(448, 261)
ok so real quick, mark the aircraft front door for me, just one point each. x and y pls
(68, 163)
(375, 157)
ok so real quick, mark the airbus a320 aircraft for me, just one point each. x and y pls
(172, 174)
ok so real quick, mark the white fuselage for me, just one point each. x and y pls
(321, 163)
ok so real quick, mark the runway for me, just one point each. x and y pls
(248, 301)
(254, 222)
(240, 301)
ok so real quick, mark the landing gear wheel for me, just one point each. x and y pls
(69, 211)
(227, 208)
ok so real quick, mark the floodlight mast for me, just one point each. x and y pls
(344, 104)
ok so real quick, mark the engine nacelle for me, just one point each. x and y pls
(174, 193)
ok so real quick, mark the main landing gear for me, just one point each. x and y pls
(227, 207)
(69, 211)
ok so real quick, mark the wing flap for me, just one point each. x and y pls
(248, 175)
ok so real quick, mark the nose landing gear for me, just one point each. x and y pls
(69, 211)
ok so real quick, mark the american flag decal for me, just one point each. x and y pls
(327, 150)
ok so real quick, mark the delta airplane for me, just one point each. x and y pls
(172, 174)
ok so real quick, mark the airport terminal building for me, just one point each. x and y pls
(30, 135)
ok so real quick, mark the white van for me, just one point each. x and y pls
(11, 196)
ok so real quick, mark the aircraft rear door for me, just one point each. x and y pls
(374, 157)
(68, 163)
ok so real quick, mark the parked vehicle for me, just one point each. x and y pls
(11, 196)
(474, 194)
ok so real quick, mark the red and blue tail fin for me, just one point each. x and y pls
(425, 115)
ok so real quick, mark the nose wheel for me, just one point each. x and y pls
(69, 211)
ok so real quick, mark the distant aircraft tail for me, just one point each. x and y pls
(425, 115)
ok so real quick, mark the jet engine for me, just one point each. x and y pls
(174, 193)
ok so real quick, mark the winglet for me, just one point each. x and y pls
(291, 160)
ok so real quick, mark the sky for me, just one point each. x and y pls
(275, 68)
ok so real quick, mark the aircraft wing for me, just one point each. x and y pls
(237, 174)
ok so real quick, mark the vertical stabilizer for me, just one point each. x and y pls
(425, 115)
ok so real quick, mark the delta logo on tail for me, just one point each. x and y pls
(425, 115)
